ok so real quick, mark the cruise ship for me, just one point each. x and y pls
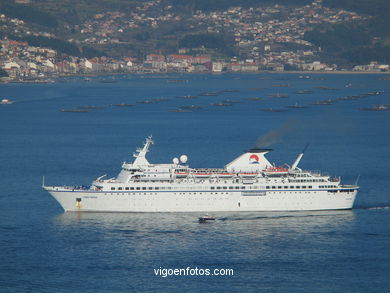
(248, 183)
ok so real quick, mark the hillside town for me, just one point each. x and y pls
(267, 39)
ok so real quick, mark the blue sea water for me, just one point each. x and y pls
(43, 249)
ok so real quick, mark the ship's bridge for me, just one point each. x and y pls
(252, 160)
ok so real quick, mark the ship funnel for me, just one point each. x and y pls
(295, 165)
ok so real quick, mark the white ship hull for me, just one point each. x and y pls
(203, 201)
(248, 183)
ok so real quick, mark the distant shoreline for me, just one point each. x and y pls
(332, 72)
(101, 74)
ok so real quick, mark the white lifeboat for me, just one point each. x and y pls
(6, 102)
(181, 174)
(201, 174)
(225, 175)
(275, 171)
(248, 174)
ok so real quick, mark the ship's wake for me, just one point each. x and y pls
(376, 208)
(273, 217)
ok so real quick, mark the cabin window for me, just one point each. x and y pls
(212, 187)
(267, 187)
(243, 187)
(138, 188)
(218, 187)
(112, 188)
(143, 188)
(303, 186)
(131, 188)
(150, 188)
(310, 187)
(237, 187)
(273, 187)
(279, 187)
(291, 187)
(157, 188)
(231, 187)
(126, 188)
(224, 187)
(119, 188)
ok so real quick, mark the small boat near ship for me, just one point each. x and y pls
(6, 102)
(206, 219)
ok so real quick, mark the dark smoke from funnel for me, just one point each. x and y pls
(274, 136)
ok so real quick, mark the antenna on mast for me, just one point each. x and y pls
(305, 148)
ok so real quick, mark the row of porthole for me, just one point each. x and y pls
(201, 193)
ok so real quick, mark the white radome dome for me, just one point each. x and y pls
(183, 159)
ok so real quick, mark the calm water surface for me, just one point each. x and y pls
(46, 250)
